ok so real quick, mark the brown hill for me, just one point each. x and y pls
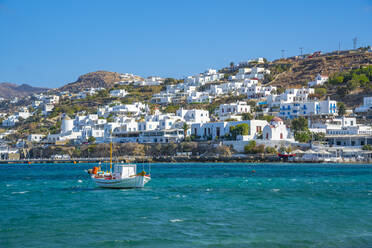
(105, 79)
(302, 71)
(298, 72)
(9, 90)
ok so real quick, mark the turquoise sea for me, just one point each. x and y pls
(189, 205)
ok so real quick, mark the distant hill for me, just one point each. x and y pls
(105, 79)
(10, 90)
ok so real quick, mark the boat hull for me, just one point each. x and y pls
(124, 183)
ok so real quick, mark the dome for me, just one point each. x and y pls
(276, 119)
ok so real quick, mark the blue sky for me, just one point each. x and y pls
(50, 43)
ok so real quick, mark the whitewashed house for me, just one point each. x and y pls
(162, 98)
(340, 126)
(259, 91)
(118, 93)
(14, 118)
(35, 137)
(199, 97)
(367, 105)
(250, 73)
(308, 108)
(209, 75)
(150, 81)
(236, 108)
(319, 80)
(193, 115)
(47, 108)
(213, 130)
(289, 96)
(36, 103)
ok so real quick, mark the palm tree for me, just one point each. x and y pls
(185, 127)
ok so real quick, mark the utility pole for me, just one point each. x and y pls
(355, 41)
(282, 53)
(301, 48)
(339, 47)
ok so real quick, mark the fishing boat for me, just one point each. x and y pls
(124, 176)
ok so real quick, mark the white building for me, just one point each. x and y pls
(367, 105)
(118, 93)
(209, 75)
(47, 108)
(135, 109)
(250, 73)
(67, 131)
(340, 126)
(233, 108)
(35, 137)
(36, 103)
(150, 81)
(51, 99)
(14, 119)
(276, 130)
(193, 115)
(199, 97)
(259, 91)
(213, 130)
(289, 96)
(308, 108)
(319, 80)
(163, 98)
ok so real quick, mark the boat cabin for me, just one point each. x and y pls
(125, 170)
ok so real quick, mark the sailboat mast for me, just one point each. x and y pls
(111, 156)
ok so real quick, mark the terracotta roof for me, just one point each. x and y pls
(276, 119)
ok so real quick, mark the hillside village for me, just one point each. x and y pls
(245, 108)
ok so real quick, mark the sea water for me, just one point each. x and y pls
(189, 205)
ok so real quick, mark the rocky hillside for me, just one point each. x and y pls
(9, 90)
(302, 71)
(105, 79)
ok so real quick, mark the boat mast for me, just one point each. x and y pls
(111, 156)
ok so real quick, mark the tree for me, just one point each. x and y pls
(91, 139)
(341, 109)
(301, 129)
(267, 118)
(185, 127)
(103, 93)
(271, 150)
(231, 64)
(352, 85)
(249, 149)
(280, 90)
(171, 109)
(303, 136)
(318, 136)
(336, 80)
(367, 147)
(169, 81)
(247, 116)
(320, 91)
(240, 129)
(299, 124)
